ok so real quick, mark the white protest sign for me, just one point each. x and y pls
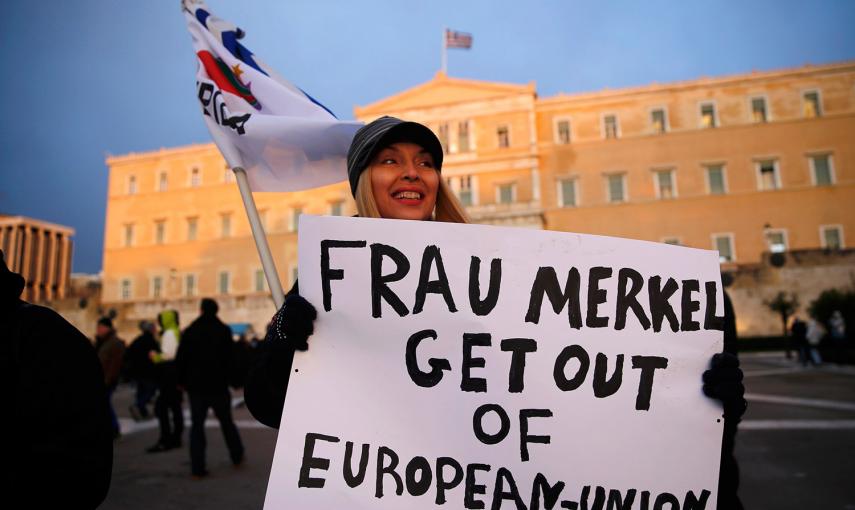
(471, 366)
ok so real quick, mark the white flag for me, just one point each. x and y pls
(281, 136)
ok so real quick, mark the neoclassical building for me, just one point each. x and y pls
(40, 252)
(745, 165)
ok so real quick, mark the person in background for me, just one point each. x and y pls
(815, 333)
(167, 407)
(56, 421)
(798, 330)
(139, 367)
(111, 351)
(837, 330)
(204, 364)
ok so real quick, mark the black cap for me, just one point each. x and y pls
(381, 133)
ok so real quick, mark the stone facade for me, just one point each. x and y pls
(746, 165)
(804, 273)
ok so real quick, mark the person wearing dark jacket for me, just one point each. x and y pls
(204, 363)
(59, 444)
(139, 367)
(111, 351)
(388, 157)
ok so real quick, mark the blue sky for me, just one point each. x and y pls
(89, 78)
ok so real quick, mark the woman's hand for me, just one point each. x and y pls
(723, 381)
(294, 322)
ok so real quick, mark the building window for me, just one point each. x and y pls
(811, 104)
(716, 183)
(822, 170)
(708, 116)
(831, 237)
(337, 208)
(260, 280)
(192, 228)
(658, 120)
(724, 244)
(463, 144)
(129, 235)
(768, 177)
(125, 288)
(443, 137)
(567, 192)
(132, 185)
(610, 127)
(776, 240)
(666, 186)
(506, 193)
(674, 241)
(562, 131)
(223, 282)
(464, 190)
(162, 182)
(156, 287)
(758, 110)
(296, 212)
(503, 136)
(195, 177)
(226, 225)
(159, 232)
(190, 285)
(616, 188)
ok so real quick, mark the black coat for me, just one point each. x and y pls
(267, 380)
(204, 360)
(137, 364)
(59, 440)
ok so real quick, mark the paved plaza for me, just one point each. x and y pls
(796, 449)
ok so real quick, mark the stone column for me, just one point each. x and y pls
(62, 277)
(51, 268)
(12, 259)
(38, 276)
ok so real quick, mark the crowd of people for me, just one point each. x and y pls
(165, 363)
(810, 338)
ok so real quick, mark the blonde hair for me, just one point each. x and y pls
(447, 208)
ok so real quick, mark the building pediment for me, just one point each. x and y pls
(442, 91)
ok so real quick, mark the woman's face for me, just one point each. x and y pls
(404, 182)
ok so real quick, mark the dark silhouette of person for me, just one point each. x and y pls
(111, 352)
(59, 440)
(799, 332)
(204, 363)
(139, 368)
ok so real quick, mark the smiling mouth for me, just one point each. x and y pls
(407, 195)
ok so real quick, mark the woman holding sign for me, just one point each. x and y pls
(394, 172)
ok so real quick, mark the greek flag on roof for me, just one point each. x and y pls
(284, 138)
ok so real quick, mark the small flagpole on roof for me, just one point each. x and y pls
(444, 50)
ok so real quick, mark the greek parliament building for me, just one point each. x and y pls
(746, 165)
(40, 252)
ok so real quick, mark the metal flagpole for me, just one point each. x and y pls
(260, 238)
(444, 51)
